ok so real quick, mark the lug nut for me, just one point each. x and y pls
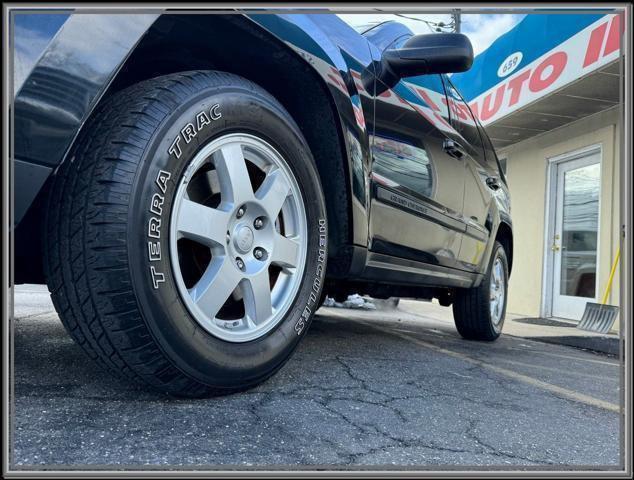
(258, 223)
(240, 263)
(240, 212)
(258, 253)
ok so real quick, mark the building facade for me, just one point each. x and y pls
(549, 94)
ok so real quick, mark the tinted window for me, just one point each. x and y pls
(403, 163)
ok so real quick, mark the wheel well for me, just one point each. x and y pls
(182, 42)
(505, 237)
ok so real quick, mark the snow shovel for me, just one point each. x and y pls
(599, 317)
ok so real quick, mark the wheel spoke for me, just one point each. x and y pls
(202, 224)
(499, 276)
(497, 292)
(213, 289)
(273, 192)
(235, 184)
(247, 232)
(285, 251)
(257, 297)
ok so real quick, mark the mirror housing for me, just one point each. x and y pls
(426, 54)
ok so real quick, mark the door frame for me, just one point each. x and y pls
(550, 219)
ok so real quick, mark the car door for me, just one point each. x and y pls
(482, 179)
(417, 185)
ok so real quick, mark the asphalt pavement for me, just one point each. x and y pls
(380, 390)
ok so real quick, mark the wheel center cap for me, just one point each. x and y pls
(243, 239)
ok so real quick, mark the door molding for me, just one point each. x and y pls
(550, 218)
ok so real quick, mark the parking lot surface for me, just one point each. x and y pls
(380, 389)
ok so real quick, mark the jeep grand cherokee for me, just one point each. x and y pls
(197, 183)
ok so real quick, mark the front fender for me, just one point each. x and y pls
(82, 60)
(500, 219)
(339, 55)
(55, 99)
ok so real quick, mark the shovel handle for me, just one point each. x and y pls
(612, 272)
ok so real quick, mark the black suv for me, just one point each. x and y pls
(198, 183)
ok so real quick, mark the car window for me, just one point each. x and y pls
(404, 163)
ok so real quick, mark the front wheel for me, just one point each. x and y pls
(187, 234)
(479, 312)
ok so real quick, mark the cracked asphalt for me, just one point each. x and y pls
(380, 390)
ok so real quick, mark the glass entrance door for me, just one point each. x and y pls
(575, 235)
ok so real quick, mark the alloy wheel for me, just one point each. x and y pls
(497, 291)
(238, 237)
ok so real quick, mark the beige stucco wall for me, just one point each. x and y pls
(527, 171)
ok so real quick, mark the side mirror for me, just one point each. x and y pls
(426, 54)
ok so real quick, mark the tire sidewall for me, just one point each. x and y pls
(191, 348)
(498, 252)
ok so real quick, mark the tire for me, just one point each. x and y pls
(113, 258)
(322, 299)
(472, 307)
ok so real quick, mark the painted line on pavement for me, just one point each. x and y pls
(557, 390)
(556, 370)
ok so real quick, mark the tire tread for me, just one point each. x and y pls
(86, 254)
(471, 308)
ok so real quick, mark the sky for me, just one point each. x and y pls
(482, 29)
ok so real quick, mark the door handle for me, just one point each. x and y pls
(493, 183)
(453, 149)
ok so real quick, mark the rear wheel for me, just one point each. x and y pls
(479, 312)
(186, 234)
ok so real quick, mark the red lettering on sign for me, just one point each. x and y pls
(614, 36)
(422, 112)
(357, 81)
(460, 110)
(427, 99)
(358, 114)
(455, 108)
(450, 105)
(488, 111)
(465, 112)
(475, 110)
(603, 40)
(338, 83)
(515, 86)
(557, 61)
(441, 120)
(594, 45)
(404, 102)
